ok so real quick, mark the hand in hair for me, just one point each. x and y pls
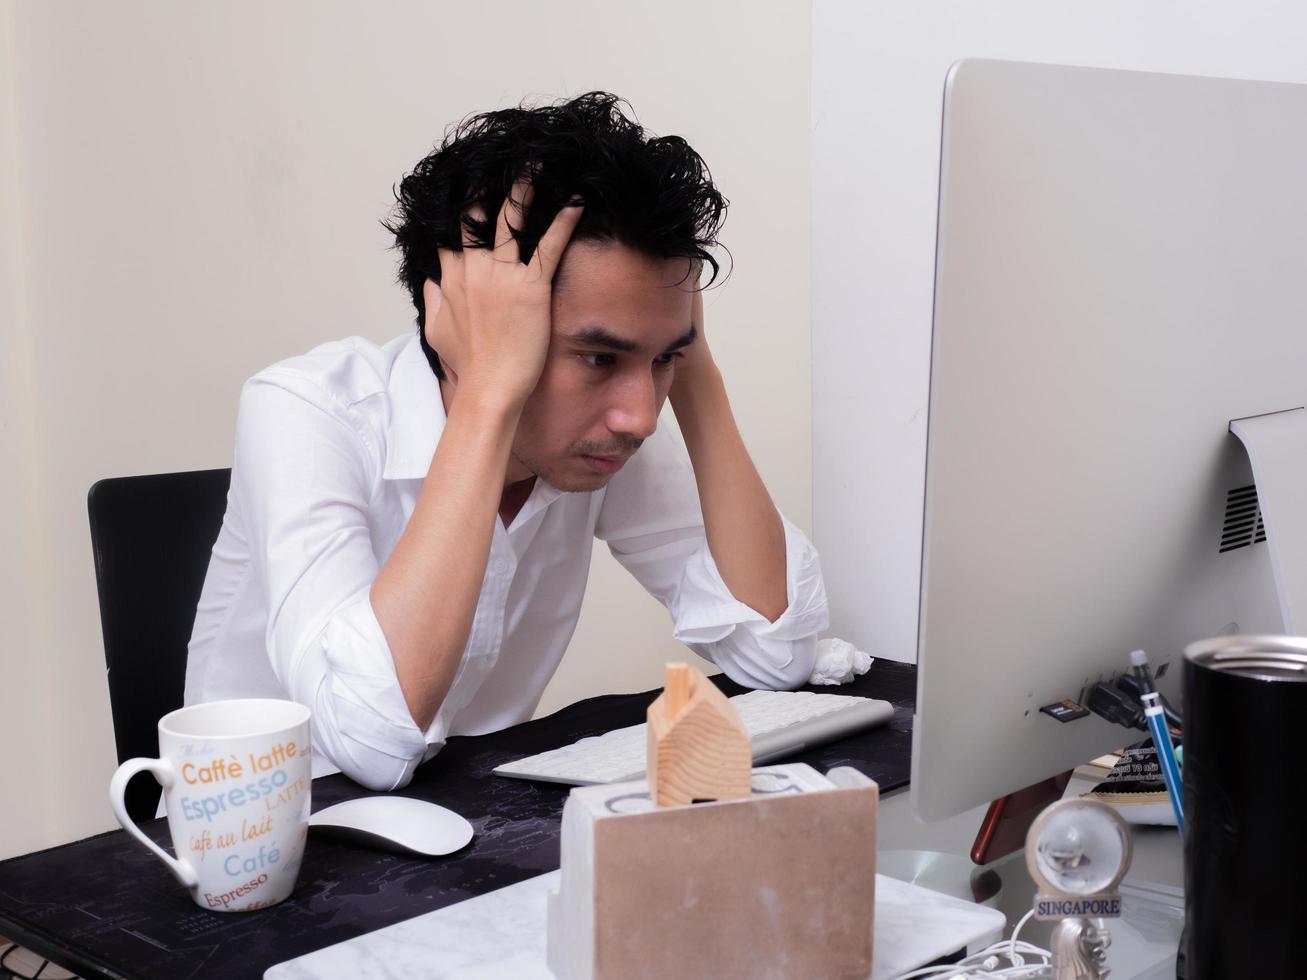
(696, 363)
(490, 316)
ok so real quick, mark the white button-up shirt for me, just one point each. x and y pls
(331, 451)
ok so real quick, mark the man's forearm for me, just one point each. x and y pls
(744, 530)
(425, 596)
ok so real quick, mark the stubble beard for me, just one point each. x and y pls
(573, 482)
(566, 482)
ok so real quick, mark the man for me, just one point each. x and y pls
(408, 533)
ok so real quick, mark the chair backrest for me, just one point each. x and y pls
(152, 537)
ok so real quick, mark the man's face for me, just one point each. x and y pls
(619, 320)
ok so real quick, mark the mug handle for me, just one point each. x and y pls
(165, 774)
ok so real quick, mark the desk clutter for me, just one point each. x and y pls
(107, 906)
(711, 868)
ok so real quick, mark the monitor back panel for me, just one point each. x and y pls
(1121, 270)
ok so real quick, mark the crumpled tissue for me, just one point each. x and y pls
(838, 662)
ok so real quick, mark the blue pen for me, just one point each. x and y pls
(1152, 702)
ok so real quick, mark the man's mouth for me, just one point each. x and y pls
(606, 464)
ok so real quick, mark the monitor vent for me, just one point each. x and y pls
(1243, 520)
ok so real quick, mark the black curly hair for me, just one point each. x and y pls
(650, 193)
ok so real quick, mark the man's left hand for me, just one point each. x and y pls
(696, 365)
(744, 530)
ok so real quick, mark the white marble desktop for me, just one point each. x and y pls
(502, 934)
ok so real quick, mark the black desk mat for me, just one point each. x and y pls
(106, 907)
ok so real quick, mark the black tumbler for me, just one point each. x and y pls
(1245, 807)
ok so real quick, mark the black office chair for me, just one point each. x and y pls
(152, 536)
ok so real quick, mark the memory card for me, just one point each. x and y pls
(1065, 710)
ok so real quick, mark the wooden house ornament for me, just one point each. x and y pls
(698, 747)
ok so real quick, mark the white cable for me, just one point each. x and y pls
(984, 965)
(1012, 943)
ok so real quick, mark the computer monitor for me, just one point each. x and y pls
(1121, 270)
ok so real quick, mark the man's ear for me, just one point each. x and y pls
(431, 301)
(432, 297)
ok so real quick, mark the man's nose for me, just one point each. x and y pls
(634, 411)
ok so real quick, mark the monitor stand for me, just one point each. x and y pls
(1277, 448)
(1009, 818)
(948, 874)
(1002, 831)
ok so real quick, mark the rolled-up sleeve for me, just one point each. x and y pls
(303, 478)
(653, 525)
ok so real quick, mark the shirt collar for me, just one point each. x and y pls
(417, 415)
(542, 495)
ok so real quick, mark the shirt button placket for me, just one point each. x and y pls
(498, 579)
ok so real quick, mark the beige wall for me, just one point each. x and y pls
(189, 192)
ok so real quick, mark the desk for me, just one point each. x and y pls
(105, 907)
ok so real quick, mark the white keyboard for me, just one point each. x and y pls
(780, 723)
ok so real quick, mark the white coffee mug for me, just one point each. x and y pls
(236, 778)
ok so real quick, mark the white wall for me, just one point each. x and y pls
(878, 75)
(189, 192)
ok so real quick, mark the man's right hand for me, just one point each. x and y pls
(489, 319)
(490, 323)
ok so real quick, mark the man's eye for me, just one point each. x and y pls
(599, 360)
(668, 359)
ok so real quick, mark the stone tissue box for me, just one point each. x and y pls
(778, 884)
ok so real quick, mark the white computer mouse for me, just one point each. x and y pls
(395, 823)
